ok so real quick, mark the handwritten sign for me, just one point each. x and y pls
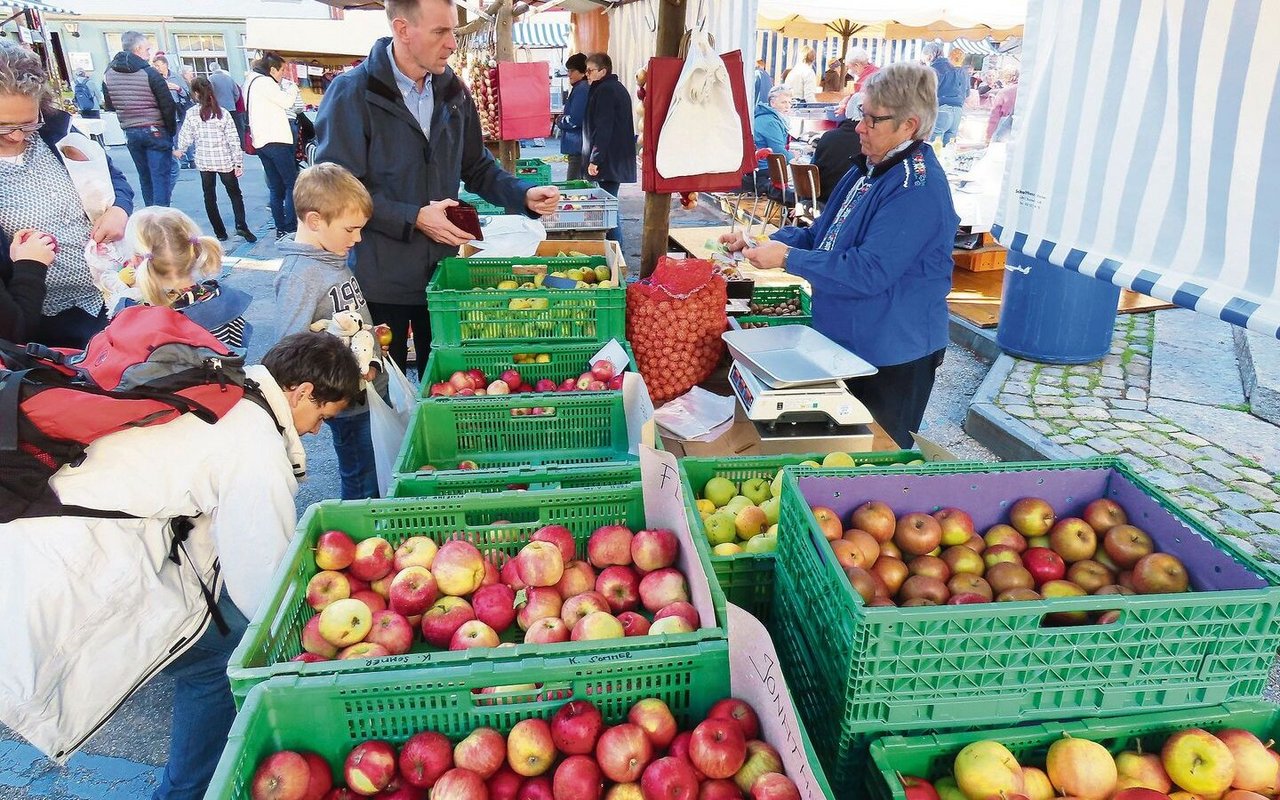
(638, 410)
(664, 508)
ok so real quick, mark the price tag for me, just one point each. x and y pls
(614, 354)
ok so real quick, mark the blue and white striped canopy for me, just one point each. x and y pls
(23, 5)
(1145, 135)
(780, 52)
(540, 34)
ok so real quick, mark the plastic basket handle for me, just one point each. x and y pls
(519, 696)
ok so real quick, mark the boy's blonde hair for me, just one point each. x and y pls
(173, 253)
(330, 190)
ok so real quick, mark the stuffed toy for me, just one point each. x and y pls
(349, 327)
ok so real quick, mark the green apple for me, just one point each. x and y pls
(772, 530)
(838, 460)
(764, 543)
(719, 490)
(770, 508)
(776, 487)
(947, 789)
(720, 528)
(726, 549)
(809, 463)
(756, 490)
(737, 504)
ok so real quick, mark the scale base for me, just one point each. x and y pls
(813, 437)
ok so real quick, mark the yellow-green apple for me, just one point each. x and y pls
(334, 550)
(530, 750)
(382, 586)
(459, 784)
(370, 767)
(721, 528)
(1104, 514)
(580, 605)
(561, 537)
(361, 650)
(577, 778)
(325, 587)
(718, 749)
(656, 720)
(495, 606)
(1044, 565)
(653, 549)
(1035, 784)
(321, 775)
(924, 587)
(987, 769)
(313, 642)
(877, 519)
(634, 624)
(540, 564)
(828, 522)
(609, 545)
(662, 588)
(505, 784)
(483, 751)
(1005, 576)
(1073, 539)
(345, 622)
(961, 559)
(372, 599)
(761, 758)
(578, 577)
(576, 726)
(471, 634)
(1031, 516)
(624, 791)
(862, 582)
(548, 630)
(774, 786)
(1018, 594)
(741, 712)
(283, 775)
(1125, 544)
(670, 625)
(917, 533)
(623, 751)
(392, 631)
(956, 525)
(669, 778)
(719, 490)
(412, 591)
(1137, 769)
(718, 789)
(1089, 575)
(1005, 535)
(1256, 766)
(416, 551)
(772, 508)
(1159, 573)
(598, 625)
(620, 586)
(947, 789)
(424, 758)
(892, 573)
(766, 542)
(680, 608)
(1063, 589)
(444, 618)
(459, 568)
(749, 521)
(1105, 560)
(374, 558)
(1000, 554)
(775, 485)
(930, 567)
(968, 583)
(736, 504)
(540, 602)
(509, 573)
(1198, 762)
(849, 554)
(756, 490)
(1081, 768)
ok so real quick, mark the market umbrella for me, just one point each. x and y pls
(798, 27)
(948, 32)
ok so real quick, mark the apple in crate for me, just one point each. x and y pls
(828, 522)
(576, 726)
(1126, 544)
(392, 631)
(345, 622)
(540, 602)
(656, 720)
(459, 784)
(473, 633)
(1136, 770)
(530, 750)
(610, 545)
(1198, 762)
(1257, 768)
(374, 559)
(284, 775)
(682, 609)
(494, 605)
(361, 650)
(662, 588)
(424, 758)
(597, 625)
(1005, 535)
(623, 751)
(602, 370)
(1044, 565)
(580, 605)
(1104, 514)
(444, 618)
(1032, 516)
(654, 549)
(876, 518)
(540, 564)
(484, 751)
(669, 777)
(325, 587)
(774, 786)
(314, 642)
(917, 533)
(370, 767)
(671, 624)
(634, 624)
(620, 586)
(334, 550)
(1159, 573)
(987, 769)
(1081, 768)
(459, 568)
(956, 525)
(578, 577)
(505, 784)
(412, 591)
(761, 758)
(578, 777)
(719, 789)
(1073, 539)
(416, 551)
(536, 788)
(561, 537)
(718, 749)
(548, 630)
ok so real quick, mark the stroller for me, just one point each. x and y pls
(305, 142)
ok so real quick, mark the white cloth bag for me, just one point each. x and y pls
(389, 423)
(702, 134)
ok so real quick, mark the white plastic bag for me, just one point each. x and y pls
(702, 134)
(86, 163)
(388, 423)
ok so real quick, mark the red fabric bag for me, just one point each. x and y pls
(674, 321)
(525, 100)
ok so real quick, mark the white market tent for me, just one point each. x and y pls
(957, 13)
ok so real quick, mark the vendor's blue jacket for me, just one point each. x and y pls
(880, 289)
(769, 130)
(575, 112)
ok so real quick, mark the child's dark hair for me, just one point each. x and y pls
(318, 358)
(203, 92)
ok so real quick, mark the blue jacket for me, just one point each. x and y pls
(763, 83)
(575, 112)
(881, 290)
(365, 126)
(769, 130)
(609, 135)
(953, 87)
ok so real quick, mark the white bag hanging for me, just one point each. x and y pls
(389, 423)
(702, 134)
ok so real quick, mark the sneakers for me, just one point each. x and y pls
(246, 234)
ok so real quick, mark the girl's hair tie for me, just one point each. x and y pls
(194, 240)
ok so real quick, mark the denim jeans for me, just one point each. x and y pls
(948, 123)
(354, 445)
(152, 152)
(615, 233)
(203, 708)
(281, 170)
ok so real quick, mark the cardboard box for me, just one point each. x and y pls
(554, 247)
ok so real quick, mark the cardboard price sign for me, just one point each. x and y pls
(664, 508)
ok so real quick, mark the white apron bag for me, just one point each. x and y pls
(702, 134)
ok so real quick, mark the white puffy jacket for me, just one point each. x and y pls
(96, 607)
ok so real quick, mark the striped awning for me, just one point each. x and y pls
(32, 5)
(540, 34)
(980, 47)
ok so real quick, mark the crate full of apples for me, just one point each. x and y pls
(534, 368)
(1224, 751)
(563, 574)
(977, 593)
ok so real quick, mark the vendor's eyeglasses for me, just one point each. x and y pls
(873, 120)
(594, 70)
(7, 130)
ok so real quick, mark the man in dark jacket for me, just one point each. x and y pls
(227, 91)
(140, 97)
(575, 109)
(609, 134)
(404, 124)
(835, 150)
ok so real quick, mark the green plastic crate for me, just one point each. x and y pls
(466, 310)
(565, 361)
(487, 209)
(747, 578)
(533, 169)
(932, 757)
(586, 427)
(929, 667)
(273, 637)
(774, 294)
(451, 483)
(331, 714)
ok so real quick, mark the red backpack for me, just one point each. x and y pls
(150, 365)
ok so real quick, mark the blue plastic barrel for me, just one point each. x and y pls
(1054, 315)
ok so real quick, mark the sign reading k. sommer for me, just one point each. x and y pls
(1146, 150)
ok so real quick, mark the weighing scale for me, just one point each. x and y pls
(790, 384)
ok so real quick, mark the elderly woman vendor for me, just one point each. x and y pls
(879, 257)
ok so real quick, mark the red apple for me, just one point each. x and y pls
(510, 575)
(1090, 575)
(876, 518)
(917, 788)
(1159, 573)
(682, 609)
(424, 758)
(1003, 577)
(459, 568)
(325, 587)
(495, 606)
(505, 784)
(444, 618)
(313, 642)
(284, 775)
(1044, 565)
(610, 545)
(620, 586)
(483, 751)
(1104, 514)
(473, 633)
(540, 602)
(372, 599)
(540, 564)
(308, 658)
(657, 721)
(575, 727)
(634, 624)
(374, 558)
(577, 778)
(545, 385)
(776, 786)
(561, 537)
(459, 784)
(923, 587)
(412, 591)
(321, 776)
(580, 605)
(662, 588)
(930, 567)
(654, 549)
(1125, 544)
(416, 551)
(680, 749)
(370, 767)
(530, 750)
(956, 526)
(828, 522)
(603, 370)
(718, 749)
(1031, 516)
(334, 550)
(1005, 535)
(623, 752)
(548, 630)
(739, 711)
(392, 631)
(968, 583)
(917, 533)
(578, 577)
(892, 572)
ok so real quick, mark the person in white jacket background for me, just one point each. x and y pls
(802, 80)
(97, 607)
(268, 107)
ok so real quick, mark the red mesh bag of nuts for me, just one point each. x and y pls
(674, 321)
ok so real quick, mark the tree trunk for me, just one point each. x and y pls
(657, 207)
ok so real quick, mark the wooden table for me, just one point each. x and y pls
(694, 242)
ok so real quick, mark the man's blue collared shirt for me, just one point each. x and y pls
(421, 103)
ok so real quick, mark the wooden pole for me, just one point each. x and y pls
(508, 151)
(657, 207)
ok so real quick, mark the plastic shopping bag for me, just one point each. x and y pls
(389, 422)
(86, 164)
(703, 131)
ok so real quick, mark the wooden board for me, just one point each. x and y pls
(975, 296)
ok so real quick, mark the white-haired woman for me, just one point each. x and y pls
(37, 193)
(879, 256)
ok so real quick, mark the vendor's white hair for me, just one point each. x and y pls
(857, 55)
(906, 89)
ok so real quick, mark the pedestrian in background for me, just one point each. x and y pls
(953, 88)
(575, 110)
(762, 83)
(609, 135)
(211, 130)
(86, 96)
(140, 97)
(268, 107)
(833, 78)
(228, 93)
(802, 80)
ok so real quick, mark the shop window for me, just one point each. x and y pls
(201, 51)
